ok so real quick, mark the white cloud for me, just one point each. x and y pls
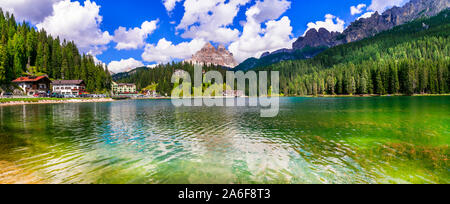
(254, 39)
(72, 21)
(165, 51)
(357, 9)
(134, 38)
(97, 61)
(124, 65)
(31, 10)
(268, 9)
(152, 66)
(383, 5)
(210, 19)
(170, 4)
(331, 23)
(367, 15)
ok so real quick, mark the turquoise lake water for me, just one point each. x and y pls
(312, 140)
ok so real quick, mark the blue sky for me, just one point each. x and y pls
(126, 34)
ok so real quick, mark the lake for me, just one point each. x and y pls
(312, 140)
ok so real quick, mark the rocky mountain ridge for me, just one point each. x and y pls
(368, 27)
(210, 55)
(314, 38)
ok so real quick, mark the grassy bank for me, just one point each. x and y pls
(24, 101)
(31, 100)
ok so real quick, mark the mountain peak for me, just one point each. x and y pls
(221, 48)
(208, 46)
(367, 27)
(317, 40)
(210, 55)
(314, 38)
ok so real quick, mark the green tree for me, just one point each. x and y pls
(19, 54)
(3, 64)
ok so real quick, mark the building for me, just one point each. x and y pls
(32, 85)
(123, 88)
(69, 87)
(233, 93)
(150, 93)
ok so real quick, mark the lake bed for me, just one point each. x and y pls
(312, 140)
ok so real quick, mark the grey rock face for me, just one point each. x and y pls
(277, 52)
(368, 27)
(210, 55)
(314, 38)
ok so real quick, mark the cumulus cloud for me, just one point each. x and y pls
(97, 61)
(31, 10)
(254, 39)
(331, 23)
(383, 5)
(73, 21)
(357, 9)
(210, 19)
(367, 15)
(165, 51)
(124, 65)
(134, 38)
(268, 9)
(170, 4)
(152, 66)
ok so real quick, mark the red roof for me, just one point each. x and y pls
(29, 79)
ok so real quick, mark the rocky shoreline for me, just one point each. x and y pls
(14, 103)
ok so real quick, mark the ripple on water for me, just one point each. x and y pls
(311, 141)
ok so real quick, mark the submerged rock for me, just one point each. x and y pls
(11, 174)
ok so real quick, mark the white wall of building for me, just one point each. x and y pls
(67, 89)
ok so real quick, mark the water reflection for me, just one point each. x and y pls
(313, 140)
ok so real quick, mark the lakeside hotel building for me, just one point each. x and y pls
(123, 88)
(69, 87)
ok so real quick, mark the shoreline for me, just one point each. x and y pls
(54, 101)
(32, 101)
(309, 96)
(369, 95)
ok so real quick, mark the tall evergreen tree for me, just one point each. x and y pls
(3, 64)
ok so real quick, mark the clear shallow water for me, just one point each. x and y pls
(313, 140)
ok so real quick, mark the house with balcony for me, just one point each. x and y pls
(32, 85)
(234, 93)
(123, 88)
(69, 87)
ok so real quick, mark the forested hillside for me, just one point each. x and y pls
(161, 76)
(305, 53)
(410, 59)
(25, 51)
